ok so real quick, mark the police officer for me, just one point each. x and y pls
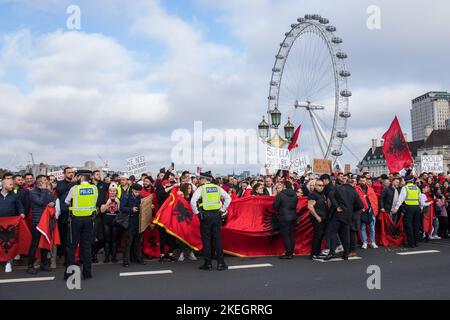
(212, 214)
(409, 196)
(82, 200)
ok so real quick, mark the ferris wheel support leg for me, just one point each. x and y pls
(320, 134)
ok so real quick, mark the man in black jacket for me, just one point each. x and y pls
(62, 189)
(347, 201)
(286, 204)
(389, 197)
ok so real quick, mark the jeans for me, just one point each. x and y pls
(372, 231)
(133, 245)
(36, 236)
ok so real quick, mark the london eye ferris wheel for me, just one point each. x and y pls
(309, 86)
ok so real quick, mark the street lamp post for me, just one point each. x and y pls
(275, 140)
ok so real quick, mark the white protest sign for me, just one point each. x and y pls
(136, 166)
(58, 174)
(432, 163)
(299, 164)
(277, 159)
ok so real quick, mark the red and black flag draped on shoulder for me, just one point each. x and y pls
(15, 237)
(395, 149)
(177, 217)
(48, 227)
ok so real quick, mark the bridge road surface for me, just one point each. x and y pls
(419, 273)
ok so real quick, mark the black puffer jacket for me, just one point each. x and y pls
(286, 204)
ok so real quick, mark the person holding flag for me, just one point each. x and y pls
(212, 214)
(10, 206)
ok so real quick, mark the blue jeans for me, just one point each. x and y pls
(372, 231)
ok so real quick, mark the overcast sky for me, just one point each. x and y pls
(138, 70)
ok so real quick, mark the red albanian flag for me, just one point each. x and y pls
(15, 237)
(48, 227)
(177, 217)
(294, 141)
(395, 148)
(391, 234)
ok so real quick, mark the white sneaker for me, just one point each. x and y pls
(181, 257)
(436, 237)
(325, 252)
(339, 249)
(192, 256)
(364, 245)
(8, 267)
(373, 245)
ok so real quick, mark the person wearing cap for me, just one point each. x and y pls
(82, 201)
(409, 197)
(131, 205)
(212, 214)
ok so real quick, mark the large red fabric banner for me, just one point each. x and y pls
(391, 234)
(252, 228)
(15, 237)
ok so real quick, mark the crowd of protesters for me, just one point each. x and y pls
(342, 208)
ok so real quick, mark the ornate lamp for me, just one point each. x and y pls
(275, 115)
(263, 129)
(289, 130)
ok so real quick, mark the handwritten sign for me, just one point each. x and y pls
(136, 166)
(299, 164)
(58, 174)
(347, 168)
(277, 159)
(322, 166)
(432, 163)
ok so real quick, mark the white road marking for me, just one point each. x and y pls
(145, 273)
(27, 280)
(249, 266)
(339, 259)
(409, 253)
